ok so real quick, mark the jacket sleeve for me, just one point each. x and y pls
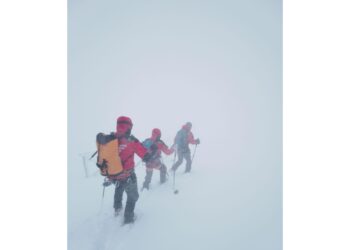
(140, 150)
(191, 139)
(165, 149)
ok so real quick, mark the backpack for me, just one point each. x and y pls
(108, 160)
(181, 138)
(151, 147)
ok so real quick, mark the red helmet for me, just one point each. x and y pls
(156, 133)
(124, 125)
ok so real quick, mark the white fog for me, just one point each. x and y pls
(217, 64)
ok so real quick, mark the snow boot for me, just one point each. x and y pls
(117, 211)
(145, 186)
(129, 218)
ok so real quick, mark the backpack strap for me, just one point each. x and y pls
(132, 138)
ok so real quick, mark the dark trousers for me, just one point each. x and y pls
(130, 187)
(149, 174)
(181, 155)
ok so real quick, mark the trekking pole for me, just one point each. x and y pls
(103, 194)
(84, 164)
(175, 190)
(194, 153)
(174, 157)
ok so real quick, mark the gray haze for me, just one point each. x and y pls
(216, 63)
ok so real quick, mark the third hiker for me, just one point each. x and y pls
(183, 138)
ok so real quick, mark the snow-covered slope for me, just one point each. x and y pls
(209, 212)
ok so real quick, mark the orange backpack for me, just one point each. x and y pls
(108, 159)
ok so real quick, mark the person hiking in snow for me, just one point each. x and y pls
(183, 138)
(155, 147)
(127, 181)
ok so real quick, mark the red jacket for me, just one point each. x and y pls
(155, 162)
(128, 146)
(190, 138)
(162, 147)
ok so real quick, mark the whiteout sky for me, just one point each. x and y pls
(216, 63)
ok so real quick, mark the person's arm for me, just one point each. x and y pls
(141, 151)
(164, 148)
(191, 139)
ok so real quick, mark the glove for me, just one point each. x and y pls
(106, 183)
(198, 141)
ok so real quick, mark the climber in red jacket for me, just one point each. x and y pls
(183, 138)
(155, 148)
(127, 181)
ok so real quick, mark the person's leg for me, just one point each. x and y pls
(188, 159)
(118, 195)
(132, 197)
(179, 160)
(163, 171)
(148, 178)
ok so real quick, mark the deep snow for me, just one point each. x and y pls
(207, 213)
